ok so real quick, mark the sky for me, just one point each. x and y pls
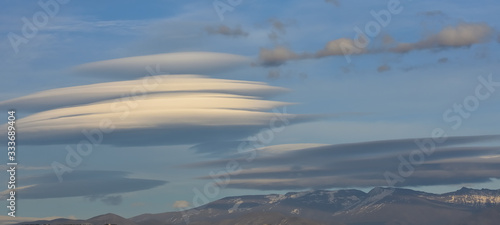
(133, 107)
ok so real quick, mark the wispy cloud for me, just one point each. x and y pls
(334, 2)
(169, 63)
(227, 31)
(383, 68)
(89, 184)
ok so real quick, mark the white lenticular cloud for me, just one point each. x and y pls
(169, 63)
(169, 110)
(85, 94)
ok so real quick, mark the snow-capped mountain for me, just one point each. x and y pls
(341, 207)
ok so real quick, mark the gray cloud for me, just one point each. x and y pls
(112, 200)
(443, 60)
(433, 13)
(335, 2)
(383, 68)
(458, 160)
(274, 74)
(277, 56)
(278, 25)
(227, 31)
(170, 63)
(278, 28)
(93, 185)
(462, 35)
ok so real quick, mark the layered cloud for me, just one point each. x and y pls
(462, 35)
(170, 63)
(93, 185)
(458, 160)
(158, 110)
(161, 84)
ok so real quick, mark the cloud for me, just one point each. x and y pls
(181, 204)
(183, 109)
(467, 159)
(273, 74)
(433, 13)
(383, 68)
(335, 2)
(162, 84)
(278, 28)
(169, 63)
(278, 25)
(277, 56)
(112, 200)
(227, 31)
(463, 35)
(93, 185)
(108, 200)
(443, 60)
(338, 47)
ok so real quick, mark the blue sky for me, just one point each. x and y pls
(429, 56)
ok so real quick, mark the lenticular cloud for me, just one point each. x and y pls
(156, 110)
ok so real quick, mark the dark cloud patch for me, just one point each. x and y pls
(227, 31)
(108, 200)
(278, 29)
(334, 2)
(443, 60)
(278, 25)
(217, 148)
(274, 74)
(455, 161)
(93, 185)
(112, 200)
(383, 68)
(433, 13)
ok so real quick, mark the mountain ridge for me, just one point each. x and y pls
(379, 206)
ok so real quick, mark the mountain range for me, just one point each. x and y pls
(380, 206)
